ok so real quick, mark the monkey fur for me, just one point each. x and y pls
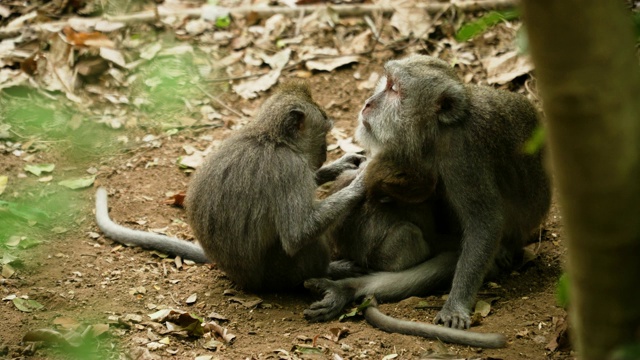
(252, 204)
(489, 198)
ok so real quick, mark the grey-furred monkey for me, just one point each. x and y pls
(489, 198)
(252, 203)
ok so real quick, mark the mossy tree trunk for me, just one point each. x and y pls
(589, 80)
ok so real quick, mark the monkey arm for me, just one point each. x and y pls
(481, 217)
(303, 221)
(143, 239)
(331, 171)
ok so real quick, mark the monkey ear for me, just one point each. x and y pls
(452, 104)
(295, 120)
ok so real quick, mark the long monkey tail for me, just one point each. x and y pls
(455, 336)
(144, 239)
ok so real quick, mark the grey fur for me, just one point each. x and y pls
(490, 195)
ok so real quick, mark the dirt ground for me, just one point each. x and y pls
(83, 278)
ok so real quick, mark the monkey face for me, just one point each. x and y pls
(415, 98)
(378, 117)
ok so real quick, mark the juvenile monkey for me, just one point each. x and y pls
(251, 204)
(489, 194)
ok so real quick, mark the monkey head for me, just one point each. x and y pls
(413, 101)
(292, 118)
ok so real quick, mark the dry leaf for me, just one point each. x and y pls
(330, 64)
(410, 20)
(506, 67)
(176, 199)
(112, 55)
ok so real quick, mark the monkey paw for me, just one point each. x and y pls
(335, 298)
(457, 318)
(351, 161)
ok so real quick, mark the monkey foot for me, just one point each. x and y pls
(336, 297)
(453, 318)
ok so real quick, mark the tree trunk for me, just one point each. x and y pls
(589, 80)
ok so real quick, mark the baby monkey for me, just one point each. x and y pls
(252, 203)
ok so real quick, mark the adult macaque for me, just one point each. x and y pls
(252, 204)
(489, 198)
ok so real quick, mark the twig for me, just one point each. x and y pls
(220, 102)
(263, 12)
(231, 78)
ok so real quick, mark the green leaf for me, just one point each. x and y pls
(37, 169)
(27, 305)
(78, 183)
(535, 142)
(223, 22)
(562, 291)
(365, 304)
(474, 28)
(309, 350)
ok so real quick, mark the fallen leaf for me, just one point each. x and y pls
(355, 311)
(78, 183)
(214, 315)
(337, 334)
(37, 169)
(506, 67)
(308, 349)
(114, 56)
(247, 303)
(408, 20)
(330, 64)
(560, 337)
(66, 323)
(7, 271)
(192, 299)
(220, 331)
(483, 308)
(176, 199)
(94, 39)
(27, 305)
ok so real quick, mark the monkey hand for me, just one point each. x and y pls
(336, 297)
(349, 161)
(454, 316)
(331, 171)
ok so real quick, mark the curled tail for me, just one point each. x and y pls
(144, 239)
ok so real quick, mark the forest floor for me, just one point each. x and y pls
(139, 130)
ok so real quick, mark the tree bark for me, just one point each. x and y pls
(589, 80)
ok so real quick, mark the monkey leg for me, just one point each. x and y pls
(385, 286)
(403, 247)
(341, 269)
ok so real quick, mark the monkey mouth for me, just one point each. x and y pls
(366, 125)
